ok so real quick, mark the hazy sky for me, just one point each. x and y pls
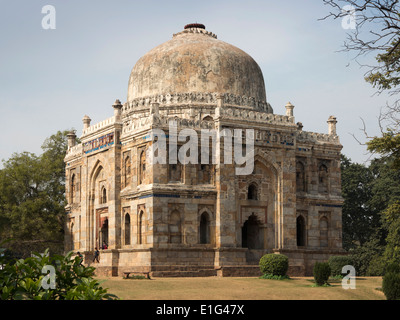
(49, 79)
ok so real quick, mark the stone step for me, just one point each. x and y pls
(180, 268)
(193, 273)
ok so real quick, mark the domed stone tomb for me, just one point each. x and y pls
(202, 217)
(195, 61)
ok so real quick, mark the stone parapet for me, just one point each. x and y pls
(105, 124)
(74, 152)
(313, 137)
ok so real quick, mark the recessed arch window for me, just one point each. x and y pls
(301, 231)
(323, 178)
(323, 232)
(140, 227)
(127, 229)
(175, 172)
(72, 188)
(127, 173)
(300, 176)
(174, 227)
(142, 166)
(252, 192)
(204, 228)
(103, 196)
(72, 236)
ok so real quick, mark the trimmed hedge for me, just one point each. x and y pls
(274, 264)
(393, 268)
(391, 282)
(321, 272)
(391, 285)
(336, 263)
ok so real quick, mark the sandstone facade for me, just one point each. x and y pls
(201, 218)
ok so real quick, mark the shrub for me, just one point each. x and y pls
(24, 279)
(393, 268)
(391, 285)
(321, 273)
(336, 263)
(274, 264)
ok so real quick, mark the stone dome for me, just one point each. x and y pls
(195, 61)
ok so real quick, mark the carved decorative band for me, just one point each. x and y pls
(196, 98)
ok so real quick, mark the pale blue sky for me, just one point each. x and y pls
(49, 79)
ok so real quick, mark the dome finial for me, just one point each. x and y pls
(195, 25)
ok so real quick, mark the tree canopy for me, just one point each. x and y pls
(32, 198)
(371, 213)
(376, 31)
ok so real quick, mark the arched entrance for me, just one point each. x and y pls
(251, 233)
(104, 233)
(301, 231)
(204, 228)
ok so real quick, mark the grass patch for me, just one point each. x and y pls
(234, 288)
(322, 285)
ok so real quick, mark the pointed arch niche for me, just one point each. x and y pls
(97, 211)
(206, 229)
(260, 196)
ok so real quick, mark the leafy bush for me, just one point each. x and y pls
(336, 263)
(321, 272)
(391, 285)
(393, 268)
(274, 264)
(27, 279)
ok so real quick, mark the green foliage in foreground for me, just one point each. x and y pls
(27, 279)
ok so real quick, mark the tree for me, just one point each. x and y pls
(392, 221)
(388, 145)
(359, 220)
(369, 193)
(377, 31)
(32, 198)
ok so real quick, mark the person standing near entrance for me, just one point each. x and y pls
(96, 255)
(80, 258)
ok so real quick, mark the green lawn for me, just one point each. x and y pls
(216, 288)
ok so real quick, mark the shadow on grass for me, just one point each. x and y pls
(274, 277)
